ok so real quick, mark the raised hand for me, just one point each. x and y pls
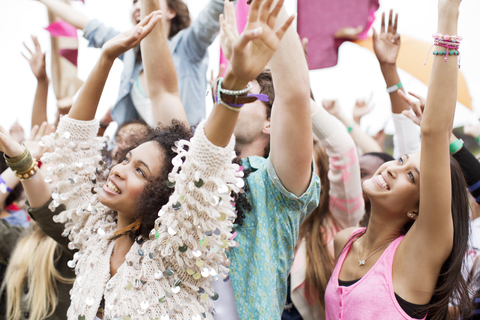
(8, 145)
(228, 29)
(258, 42)
(17, 132)
(130, 39)
(332, 107)
(387, 44)
(361, 108)
(33, 142)
(417, 107)
(36, 60)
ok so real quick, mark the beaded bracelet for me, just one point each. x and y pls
(4, 188)
(448, 42)
(236, 99)
(218, 98)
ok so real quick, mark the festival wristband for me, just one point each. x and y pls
(3, 186)
(394, 88)
(456, 145)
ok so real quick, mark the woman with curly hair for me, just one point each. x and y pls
(152, 237)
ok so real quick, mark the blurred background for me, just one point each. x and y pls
(356, 76)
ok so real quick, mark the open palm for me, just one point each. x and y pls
(258, 42)
(131, 38)
(387, 44)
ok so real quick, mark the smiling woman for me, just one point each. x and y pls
(408, 262)
(152, 231)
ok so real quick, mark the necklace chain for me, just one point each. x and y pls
(362, 262)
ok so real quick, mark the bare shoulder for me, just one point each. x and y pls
(340, 240)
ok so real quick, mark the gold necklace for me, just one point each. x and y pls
(362, 262)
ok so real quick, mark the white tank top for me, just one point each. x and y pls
(142, 103)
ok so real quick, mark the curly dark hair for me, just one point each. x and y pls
(17, 191)
(157, 193)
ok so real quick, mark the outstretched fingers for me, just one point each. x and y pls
(229, 12)
(272, 18)
(248, 36)
(281, 32)
(265, 11)
(36, 44)
(382, 27)
(254, 10)
(28, 49)
(395, 24)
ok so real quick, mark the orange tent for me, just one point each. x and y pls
(410, 59)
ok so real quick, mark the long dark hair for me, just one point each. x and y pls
(319, 261)
(451, 286)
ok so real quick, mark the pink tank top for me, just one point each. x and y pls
(372, 297)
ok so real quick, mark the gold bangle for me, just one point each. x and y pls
(29, 173)
(17, 158)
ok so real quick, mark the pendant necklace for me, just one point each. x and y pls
(362, 262)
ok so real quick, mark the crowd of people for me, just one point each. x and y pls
(267, 209)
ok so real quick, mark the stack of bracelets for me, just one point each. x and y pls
(24, 166)
(234, 100)
(450, 43)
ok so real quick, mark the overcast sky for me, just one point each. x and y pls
(356, 75)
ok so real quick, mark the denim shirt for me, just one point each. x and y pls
(190, 56)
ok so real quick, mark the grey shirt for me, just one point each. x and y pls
(189, 51)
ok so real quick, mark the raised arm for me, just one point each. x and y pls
(434, 226)
(251, 53)
(363, 141)
(291, 128)
(200, 35)
(66, 13)
(346, 198)
(386, 46)
(160, 72)
(37, 64)
(85, 107)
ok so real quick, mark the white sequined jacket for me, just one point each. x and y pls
(169, 276)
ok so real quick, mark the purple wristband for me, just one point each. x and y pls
(3, 186)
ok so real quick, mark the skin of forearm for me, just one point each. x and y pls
(440, 103)
(66, 13)
(361, 139)
(159, 72)
(37, 190)
(39, 111)
(221, 122)
(390, 74)
(287, 68)
(85, 107)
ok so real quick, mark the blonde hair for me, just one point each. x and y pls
(33, 261)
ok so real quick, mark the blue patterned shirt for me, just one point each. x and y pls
(260, 266)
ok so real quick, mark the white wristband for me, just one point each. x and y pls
(394, 88)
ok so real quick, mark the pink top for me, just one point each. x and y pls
(372, 297)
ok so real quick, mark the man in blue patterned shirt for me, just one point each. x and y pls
(275, 142)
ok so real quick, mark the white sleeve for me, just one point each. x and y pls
(407, 136)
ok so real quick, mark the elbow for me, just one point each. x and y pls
(428, 131)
